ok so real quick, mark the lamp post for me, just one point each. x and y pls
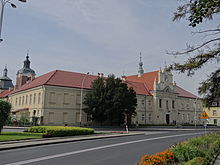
(195, 112)
(81, 100)
(3, 3)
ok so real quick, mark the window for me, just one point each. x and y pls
(183, 117)
(65, 115)
(142, 102)
(66, 98)
(142, 117)
(16, 101)
(149, 103)
(182, 105)
(167, 104)
(149, 117)
(188, 117)
(26, 101)
(39, 94)
(52, 98)
(214, 112)
(34, 101)
(78, 99)
(19, 100)
(22, 100)
(30, 100)
(77, 117)
(173, 104)
(160, 103)
(51, 117)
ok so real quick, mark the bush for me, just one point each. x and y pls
(5, 108)
(59, 131)
(196, 161)
(204, 146)
(185, 152)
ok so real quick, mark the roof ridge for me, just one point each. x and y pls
(145, 85)
(51, 76)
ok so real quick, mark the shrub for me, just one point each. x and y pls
(196, 161)
(59, 131)
(185, 152)
(5, 108)
(204, 146)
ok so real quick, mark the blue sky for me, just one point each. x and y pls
(96, 36)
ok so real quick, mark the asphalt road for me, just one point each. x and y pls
(111, 151)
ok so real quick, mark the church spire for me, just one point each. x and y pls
(141, 70)
(27, 61)
(5, 72)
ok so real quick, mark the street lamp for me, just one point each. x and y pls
(81, 100)
(3, 3)
(195, 118)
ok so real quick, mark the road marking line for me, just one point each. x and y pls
(95, 148)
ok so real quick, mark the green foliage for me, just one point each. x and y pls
(196, 11)
(8, 136)
(24, 121)
(210, 88)
(110, 100)
(5, 108)
(192, 150)
(196, 161)
(59, 131)
(185, 152)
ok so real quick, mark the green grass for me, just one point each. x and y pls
(8, 136)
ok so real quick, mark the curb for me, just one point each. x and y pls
(48, 141)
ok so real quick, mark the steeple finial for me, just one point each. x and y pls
(5, 72)
(27, 61)
(141, 70)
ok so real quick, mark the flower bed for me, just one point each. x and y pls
(161, 158)
(195, 151)
(59, 131)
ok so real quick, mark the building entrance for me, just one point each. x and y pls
(168, 119)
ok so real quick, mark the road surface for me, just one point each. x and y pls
(110, 151)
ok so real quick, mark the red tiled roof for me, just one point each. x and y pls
(5, 93)
(142, 85)
(146, 78)
(139, 87)
(59, 78)
(183, 93)
(149, 78)
(74, 80)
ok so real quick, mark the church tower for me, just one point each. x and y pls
(5, 81)
(141, 70)
(25, 74)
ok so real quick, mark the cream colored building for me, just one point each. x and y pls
(55, 97)
(214, 115)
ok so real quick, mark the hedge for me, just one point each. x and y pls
(59, 131)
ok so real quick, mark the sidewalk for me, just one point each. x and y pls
(217, 160)
(45, 141)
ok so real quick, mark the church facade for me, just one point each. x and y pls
(55, 98)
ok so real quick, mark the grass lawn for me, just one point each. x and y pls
(7, 136)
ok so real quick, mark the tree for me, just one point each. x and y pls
(95, 101)
(196, 11)
(110, 99)
(5, 108)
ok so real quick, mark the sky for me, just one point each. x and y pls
(104, 36)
